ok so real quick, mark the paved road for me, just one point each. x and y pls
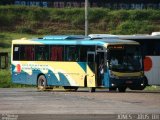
(30, 101)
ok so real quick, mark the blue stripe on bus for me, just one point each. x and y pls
(52, 80)
(65, 42)
(83, 65)
(63, 80)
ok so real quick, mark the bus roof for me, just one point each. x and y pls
(72, 40)
(66, 37)
(155, 35)
(139, 37)
(102, 36)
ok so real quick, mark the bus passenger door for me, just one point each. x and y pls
(102, 75)
(100, 67)
(91, 69)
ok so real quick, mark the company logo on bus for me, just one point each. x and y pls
(147, 64)
(18, 68)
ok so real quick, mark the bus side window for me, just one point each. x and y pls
(16, 49)
(42, 53)
(22, 52)
(56, 53)
(72, 53)
(27, 52)
(157, 48)
(83, 52)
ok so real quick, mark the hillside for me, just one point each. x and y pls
(36, 20)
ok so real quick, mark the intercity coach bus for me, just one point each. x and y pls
(77, 61)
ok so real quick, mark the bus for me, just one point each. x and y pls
(151, 50)
(77, 61)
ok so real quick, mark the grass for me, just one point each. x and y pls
(152, 88)
(5, 80)
(7, 37)
(37, 20)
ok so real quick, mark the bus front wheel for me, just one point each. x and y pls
(41, 83)
(122, 89)
(113, 89)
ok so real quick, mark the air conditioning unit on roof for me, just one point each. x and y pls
(155, 34)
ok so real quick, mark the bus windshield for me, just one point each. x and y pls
(125, 58)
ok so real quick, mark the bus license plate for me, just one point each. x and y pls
(128, 82)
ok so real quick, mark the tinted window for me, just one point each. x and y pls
(27, 52)
(72, 53)
(56, 53)
(41, 53)
(16, 49)
(83, 52)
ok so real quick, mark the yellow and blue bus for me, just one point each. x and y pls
(77, 61)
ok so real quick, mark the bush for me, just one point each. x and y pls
(5, 78)
(24, 29)
(78, 20)
(38, 20)
(135, 27)
(94, 15)
(7, 20)
(139, 14)
(120, 15)
(155, 15)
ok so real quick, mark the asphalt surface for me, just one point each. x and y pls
(24, 101)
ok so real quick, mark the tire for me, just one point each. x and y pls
(41, 83)
(145, 83)
(92, 89)
(122, 89)
(70, 88)
(113, 89)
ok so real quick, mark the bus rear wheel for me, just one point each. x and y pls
(92, 89)
(41, 83)
(70, 88)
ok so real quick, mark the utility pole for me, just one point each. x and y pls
(86, 17)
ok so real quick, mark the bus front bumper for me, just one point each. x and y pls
(132, 83)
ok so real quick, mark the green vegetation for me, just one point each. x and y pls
(7, 37)
(5, 80)
(152, 88)
(22, 21)
(36, 20)
(5, 46)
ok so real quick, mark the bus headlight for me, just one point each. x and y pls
(113, 85)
